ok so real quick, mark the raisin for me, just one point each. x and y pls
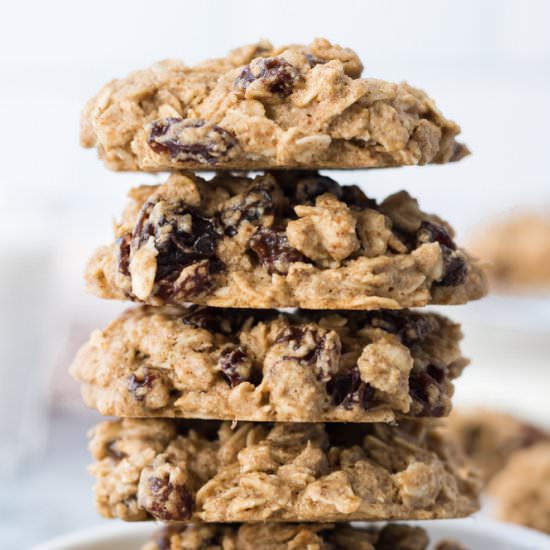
(182, 236)
(252, 206)
(143, 228)
(215, 320)
(310, 187)
(276, 74)
(199, 281)
(191, 140)
(225, 321)
(235, 365)
(437, 373)
(123, 253)
(408, 326)
(273, 251)
(313, 347)
(421, 384)
(140, 384)
(113, 451)
(355, 198)
(314, 60)
(455, 268)
(401, 537)
(347, 390)
(169, 501)
(305, 186)
(429, 232)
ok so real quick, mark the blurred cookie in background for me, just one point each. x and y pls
(490, 438)
(514, 460)
(517, 250)
(521, 490)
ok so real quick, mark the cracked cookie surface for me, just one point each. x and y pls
(261, 107)
(289, 536)
(309, 366)
(176, 470)
(284, 239)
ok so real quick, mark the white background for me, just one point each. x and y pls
(486, 62)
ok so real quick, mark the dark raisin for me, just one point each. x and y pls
(235, 365)
(140, 384)
(143, 228)
(355, 198)
(401, 537)
(347, 390)
(252, 206)
(276, 74)
(304, 186)
(191, 140)
(308, 188)
(113, 452)
(421, 385)
(214, 320)
(314, 60)
(123, 248)
(312, 347)
(182, 236)
(431, 233)
(428, 232)
(437, 373)
(408, 326)
(455, 269)
(168, 501)
(201, 279)
(273, 251)
(407, 238)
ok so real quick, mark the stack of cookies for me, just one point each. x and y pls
(273, 372)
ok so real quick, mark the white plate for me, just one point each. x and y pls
(475, 533)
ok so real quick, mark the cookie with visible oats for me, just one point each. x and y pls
(264, 107)
(307, 366)
(284, 239)
(179, 470)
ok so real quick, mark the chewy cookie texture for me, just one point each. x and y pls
(263, 107)
(283, 239)
(289, 536)
(233, 414)
(308, 366)
(207, 471)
